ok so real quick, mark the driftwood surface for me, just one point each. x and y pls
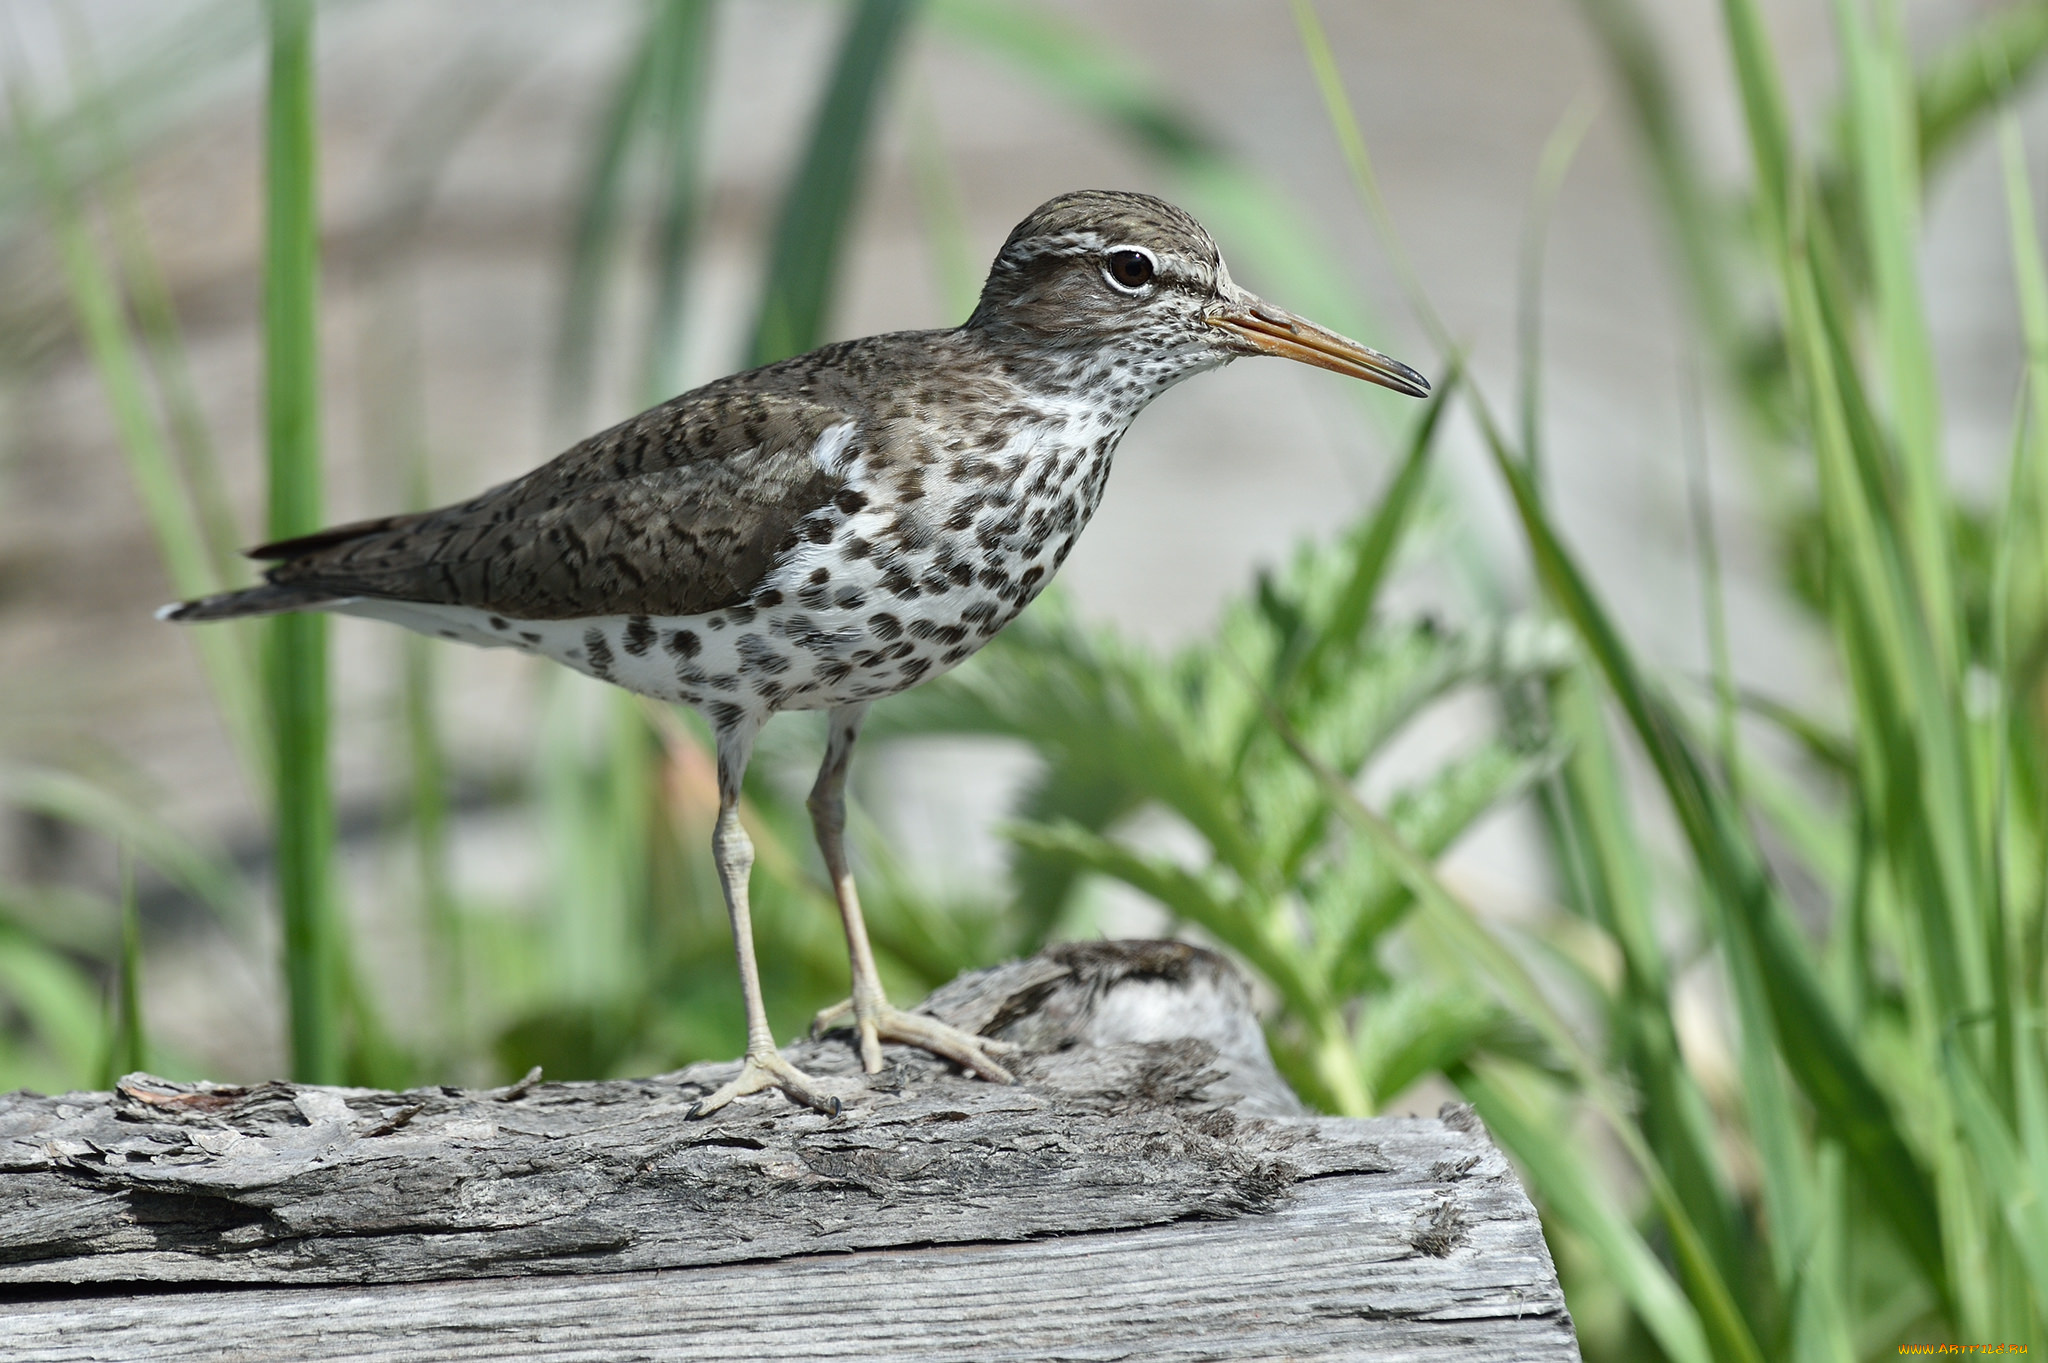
(1149, 1189)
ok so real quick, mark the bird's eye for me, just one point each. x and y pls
(1129, 268)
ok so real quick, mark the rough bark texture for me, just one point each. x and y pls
(1171, 1196)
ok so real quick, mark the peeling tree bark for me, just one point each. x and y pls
(1150, 1187)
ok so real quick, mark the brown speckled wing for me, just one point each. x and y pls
(678, 511)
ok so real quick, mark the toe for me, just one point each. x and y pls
(964, 1049)
(987, 1068)
(800, 1090)
(766, 1070)
(828, 1018)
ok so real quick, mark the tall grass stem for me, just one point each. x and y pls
(818, 207)
(296, 658)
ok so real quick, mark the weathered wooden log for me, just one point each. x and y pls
(1151, 1186)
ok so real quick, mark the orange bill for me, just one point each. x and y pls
(1275, 331)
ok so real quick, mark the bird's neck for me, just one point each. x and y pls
(1108, 381)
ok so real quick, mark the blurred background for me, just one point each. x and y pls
(1299, 692)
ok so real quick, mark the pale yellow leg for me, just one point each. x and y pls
(763, 1066)
(874, 1018)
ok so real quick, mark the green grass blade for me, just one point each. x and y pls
(59, 1007)
(296, 662)
(1887, 533)
(658, 98)
(2025, 602)
(1592, 815)
(1887, 165)
(1560, 149)
(1696, 221)
(594, 787)
(1337, 105)
(1720, 1315)
(2030, 500)
(164, 494)
(1707, 550)
(1377, 542)
(1963, 81)
(1606, 850)
(428, 820)
(2017, 1060)
(677, 99)
(1812, 1038)
(96, 295)
(1088, 72)
(131, 1046)
(198, 870)
(1466, 940)
(594, 238)
(391, 396)
(1774, 1127)
(155, 315)
(168, 72)
(2021, 1201)
(1948, 101)
(1773, 1120)
(2031, 1103)
(1920, 781)
(1764, 114)
(1580, 1196)
(803, 266)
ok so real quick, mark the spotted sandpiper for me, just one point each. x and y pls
(821, 532)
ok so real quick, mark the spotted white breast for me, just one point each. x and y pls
(904, 575)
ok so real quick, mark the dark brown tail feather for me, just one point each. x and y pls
(326, 539)
(268, 599)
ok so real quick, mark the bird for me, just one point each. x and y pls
(825, 531)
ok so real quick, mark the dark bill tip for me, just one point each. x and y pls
(1275, 331)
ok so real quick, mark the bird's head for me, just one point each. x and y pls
(1133, 278)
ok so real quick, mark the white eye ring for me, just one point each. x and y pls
(1143, 269)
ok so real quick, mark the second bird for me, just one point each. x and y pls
(825, 531)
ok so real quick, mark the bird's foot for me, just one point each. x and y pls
(766, 1069)
(881, 1021)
